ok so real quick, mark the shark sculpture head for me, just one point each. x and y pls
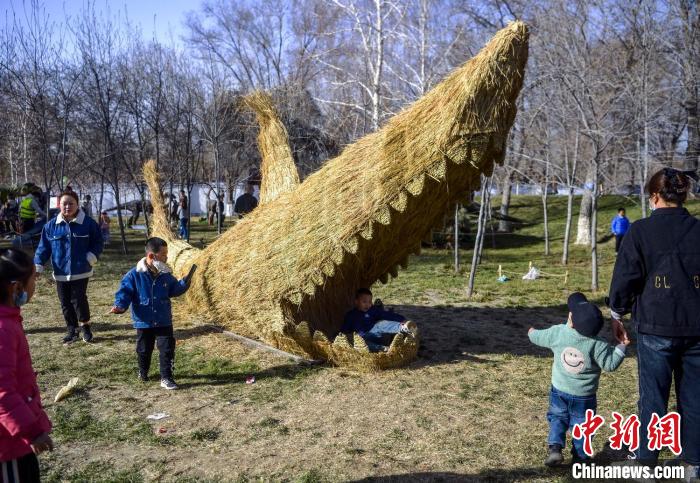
(287, 273)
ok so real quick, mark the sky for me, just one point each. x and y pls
(162, 18)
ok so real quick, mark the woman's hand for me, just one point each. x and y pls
(619, 332)
(42, 443)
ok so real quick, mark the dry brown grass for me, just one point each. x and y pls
(279, 173)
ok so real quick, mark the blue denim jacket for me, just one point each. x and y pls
(149, 296)
(73, 247)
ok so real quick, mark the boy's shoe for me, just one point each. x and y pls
(143, 376)
(168, 384)
(554, 458)
(71, 336)
(409, 328)
(87, 333)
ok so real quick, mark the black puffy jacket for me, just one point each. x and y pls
(657, 274)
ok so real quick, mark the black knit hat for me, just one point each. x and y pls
(587, 318)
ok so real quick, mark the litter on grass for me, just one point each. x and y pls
(157, 416)
(532, 274)
(66, 390)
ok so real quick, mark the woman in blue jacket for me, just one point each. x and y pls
(73, 242)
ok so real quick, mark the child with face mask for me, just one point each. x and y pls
(24, 426)
(148, 288)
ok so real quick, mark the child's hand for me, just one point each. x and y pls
(530, 330)
(42, 443)
(117, 310)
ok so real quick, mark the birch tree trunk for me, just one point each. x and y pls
(504, 226)
(583, 229)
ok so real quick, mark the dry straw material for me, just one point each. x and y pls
(180, 253)
(287, 272)
(279, 173)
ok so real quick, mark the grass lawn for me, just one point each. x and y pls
(472, 407)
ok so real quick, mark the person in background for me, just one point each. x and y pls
(619, 227)
(5, 225)
(246, 202)
(657, 279)
(104, 227)
(182, 216)
(30, 207)
(24, 425)
(87, 205)
(73, 242)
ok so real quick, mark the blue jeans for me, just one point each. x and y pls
(566, 411)
(374, 337)
(183, 229)
(659, 360)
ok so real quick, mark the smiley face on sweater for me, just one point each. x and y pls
(573, 360)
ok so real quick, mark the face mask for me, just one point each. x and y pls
(162, 267)
(21, 298)
(652, 207)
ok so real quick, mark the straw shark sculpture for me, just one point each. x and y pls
(287, 273)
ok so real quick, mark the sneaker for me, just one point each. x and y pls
(71, 336)
(87, 333)
(143, 376)
(409, 328)
(168, 384)
(692, 474)
(554, 458)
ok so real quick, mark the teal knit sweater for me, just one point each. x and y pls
(577, 359)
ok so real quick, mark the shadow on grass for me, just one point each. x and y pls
(452, 334)
(515, 474)
(58, 329)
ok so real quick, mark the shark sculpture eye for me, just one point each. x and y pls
(286, 273)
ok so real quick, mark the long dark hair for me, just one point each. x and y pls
(15, 266)
(671, 185)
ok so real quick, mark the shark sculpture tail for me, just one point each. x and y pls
(180, 253)
(279, 173)
(288, 271)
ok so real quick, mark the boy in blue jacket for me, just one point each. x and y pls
(619, 227)
(148, 288)
(372, 323)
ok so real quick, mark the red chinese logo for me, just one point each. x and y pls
(626, 432)
(587, 429)
(665, 432)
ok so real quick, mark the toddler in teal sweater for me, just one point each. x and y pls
(579, 356)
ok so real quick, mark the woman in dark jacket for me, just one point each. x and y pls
(657, 279)
(72, 241)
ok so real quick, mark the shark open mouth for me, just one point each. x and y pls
(287, 273)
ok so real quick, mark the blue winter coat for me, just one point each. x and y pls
(361, 322)
(73, 247)
(149, 296)
(620, 225)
